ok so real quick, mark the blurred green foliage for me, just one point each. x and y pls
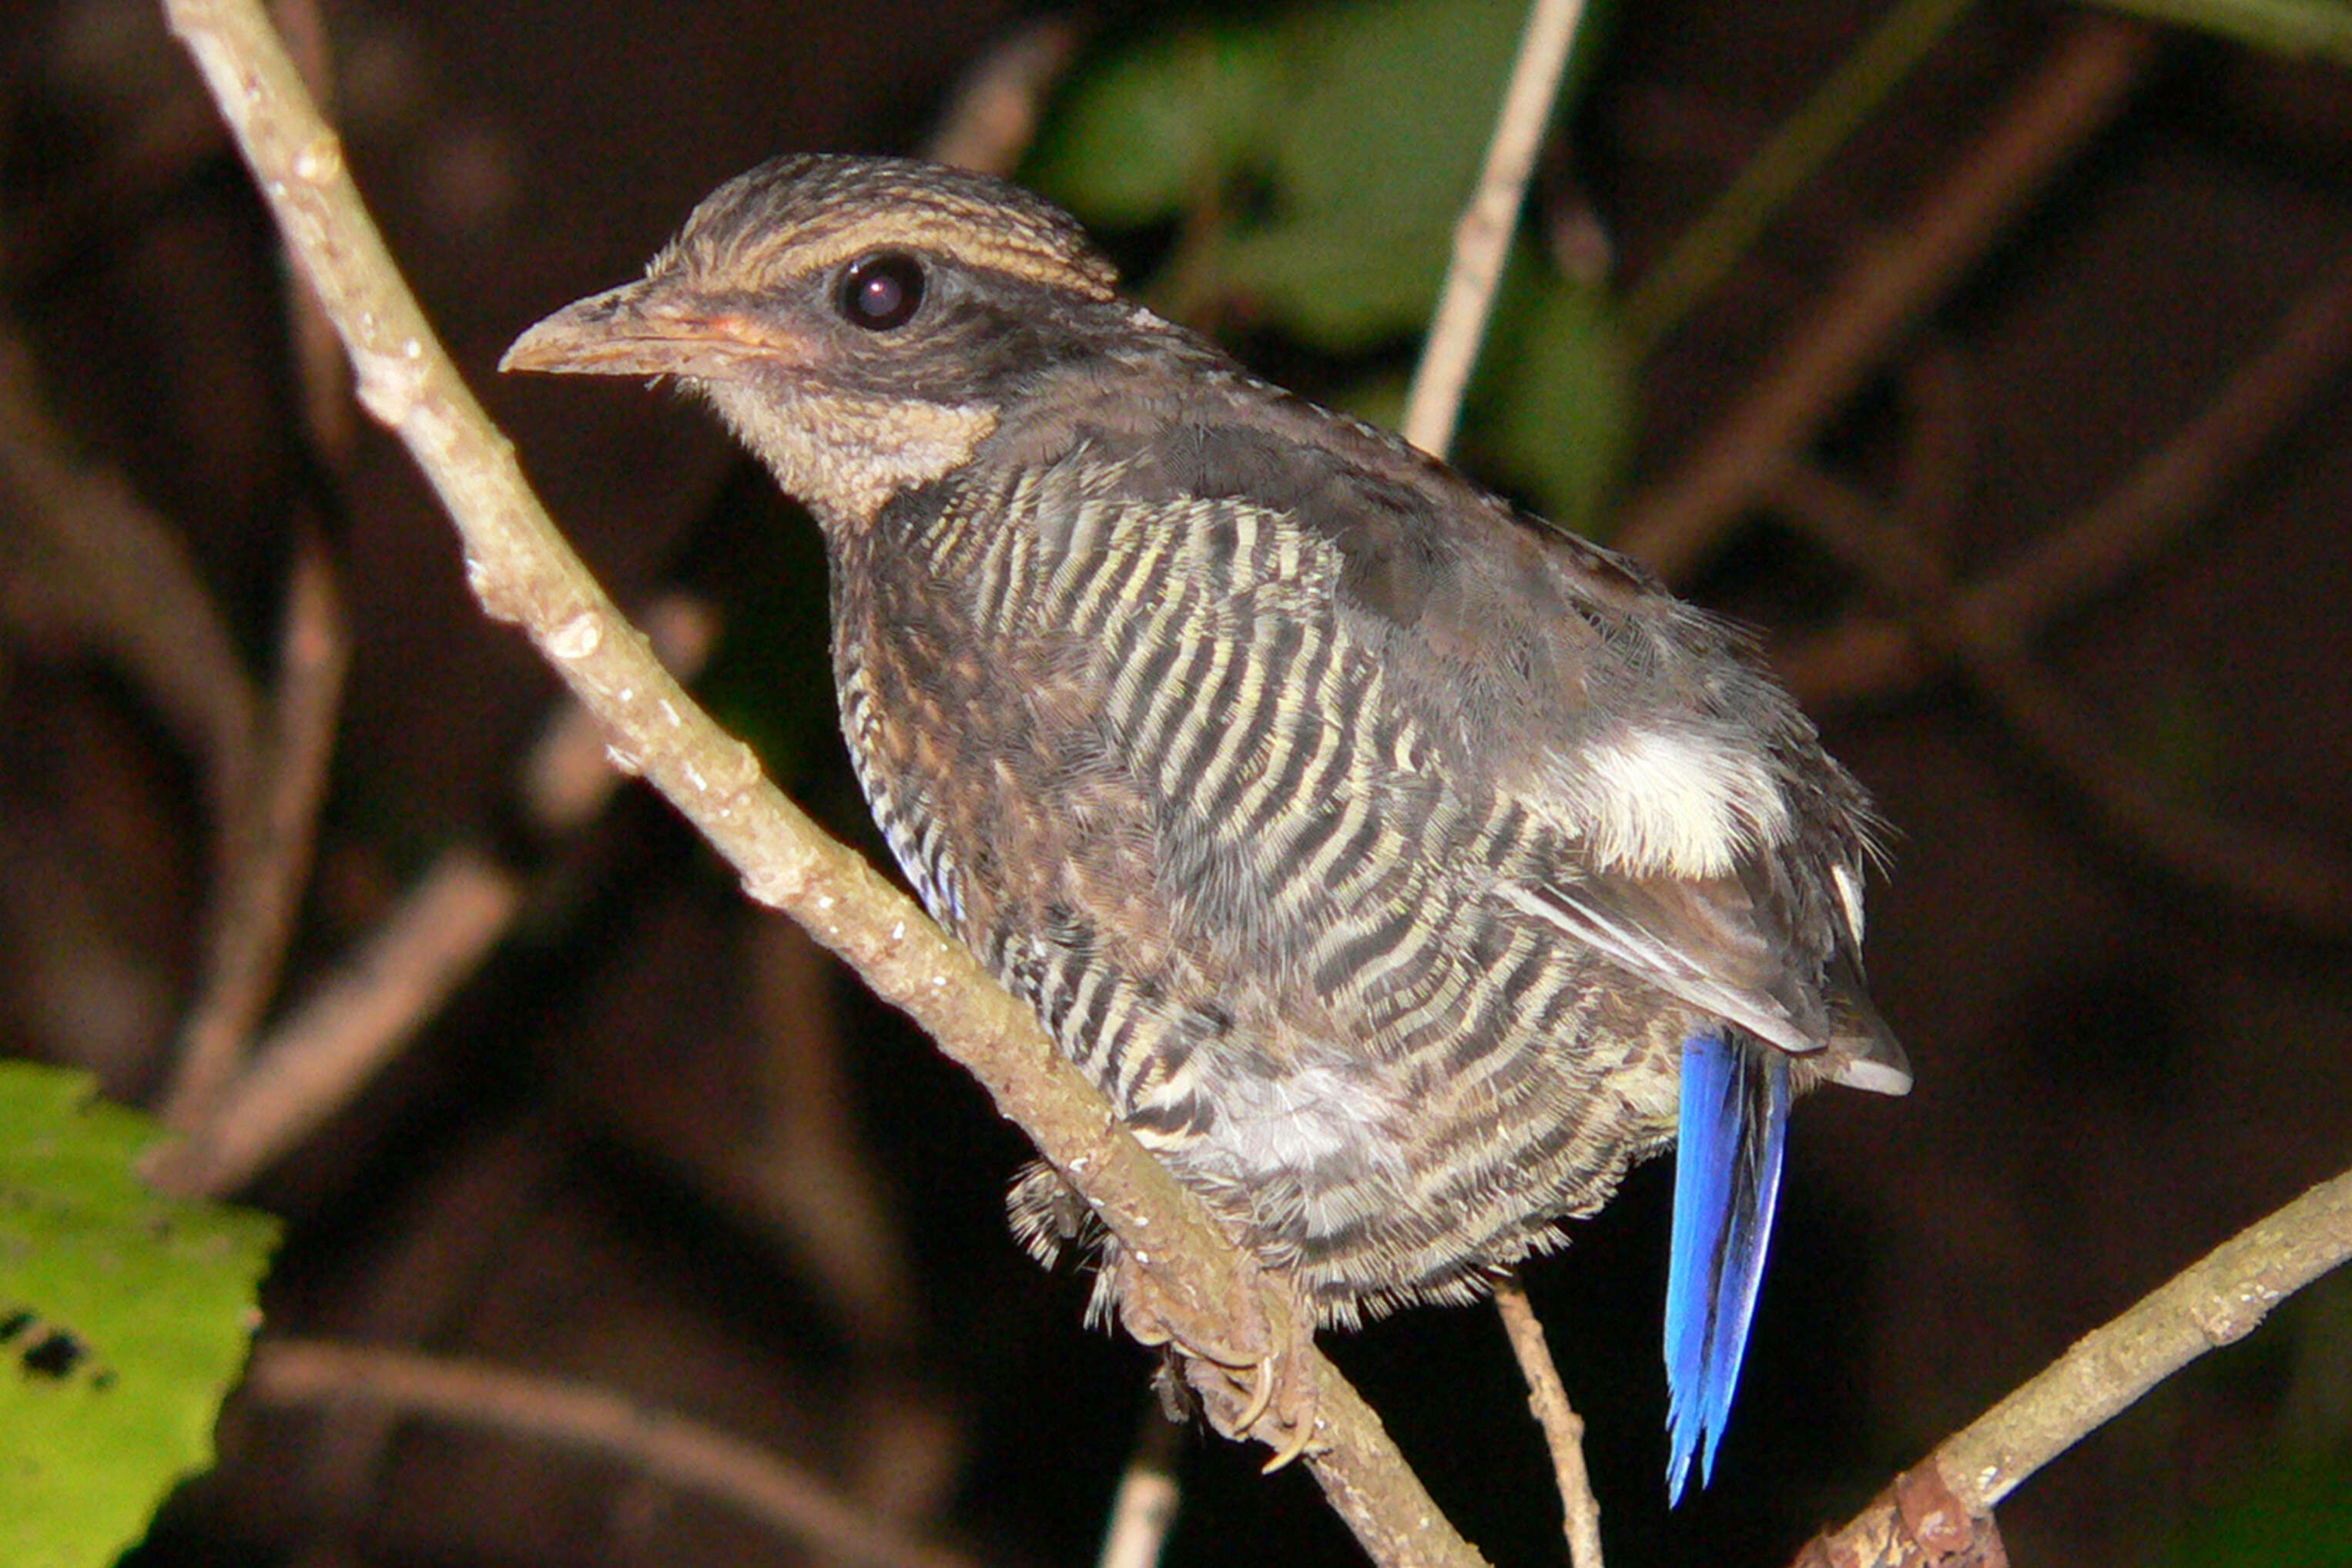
(1312, 165)
(2321, 27)
(2295, 1513)
(125, 1318)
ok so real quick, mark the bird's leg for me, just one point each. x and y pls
(1240, 1362)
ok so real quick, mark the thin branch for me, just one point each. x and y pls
(2083, 85)
(992, 117)
(2150, 510)
(266, 862)
(814, 1177)
(2294, 28)
(1206, 1289)
(1563, 1428)
(2179, 482)
(1145, 1509)
(1705, 254)
(2216, 1301)
(1862, 657)
(92, 555)
(89, 553)
(318, 1057)
(1937, 473)
(344, 1033)
(669, 1448)
(1482, 238)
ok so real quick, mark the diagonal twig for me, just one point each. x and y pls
(87, 553)
(2086, 81)
(522, 571)
(2215, 1302)
(267, 842)
(1663, 297)
(1563, 1429)
(1483, 237)
(1481, 244)
(2286, 877)
(2152, 509)
(333, 1041)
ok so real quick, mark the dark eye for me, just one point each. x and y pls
(882, 290)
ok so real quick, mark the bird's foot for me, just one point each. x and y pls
(1244, 1365)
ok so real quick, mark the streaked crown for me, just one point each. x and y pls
(808, 211)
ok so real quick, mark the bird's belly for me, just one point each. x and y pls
(1378, 1183)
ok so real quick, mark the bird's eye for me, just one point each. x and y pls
(882, 290)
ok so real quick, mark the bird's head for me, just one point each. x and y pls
(861, 323)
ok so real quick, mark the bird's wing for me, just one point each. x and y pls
(1707, 845)
(1704, 843)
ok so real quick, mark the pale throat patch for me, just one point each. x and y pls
(844, 456)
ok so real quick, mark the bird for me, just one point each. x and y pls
(1401, 868)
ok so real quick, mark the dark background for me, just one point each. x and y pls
(639, 1146)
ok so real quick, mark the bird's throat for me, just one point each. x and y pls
(843, 455)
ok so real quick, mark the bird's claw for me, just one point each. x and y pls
(1272, 1400)
(1261, 1381)
(1244, 1390)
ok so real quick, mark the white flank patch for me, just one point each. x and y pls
(1660, 802)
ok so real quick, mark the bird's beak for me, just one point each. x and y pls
(654, 326)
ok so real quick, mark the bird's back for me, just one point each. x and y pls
(1232, 757)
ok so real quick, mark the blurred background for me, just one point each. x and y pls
(1986, 358)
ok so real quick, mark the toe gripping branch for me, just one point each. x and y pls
(1244, 1364)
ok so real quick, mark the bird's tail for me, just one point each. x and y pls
(1735, 1120)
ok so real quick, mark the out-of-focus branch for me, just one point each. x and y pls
(2216, 1301)
(88, 554)
(2149, 511)
(1206, 1289)
(267, 843)
(345, 1031)
(2087, 79)
(1482, 238)
(331, 1044)
(2179, 482)
(658, 1443)
(1705, 254)
(2286, 877)
(1145, 1507)
(992, 117)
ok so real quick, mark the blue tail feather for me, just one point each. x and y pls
(1734, 1119)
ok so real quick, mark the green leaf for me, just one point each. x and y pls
(125, 1318)
(1330, 152)
(1320, 162)
(1386, 111)
(1145, 135)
